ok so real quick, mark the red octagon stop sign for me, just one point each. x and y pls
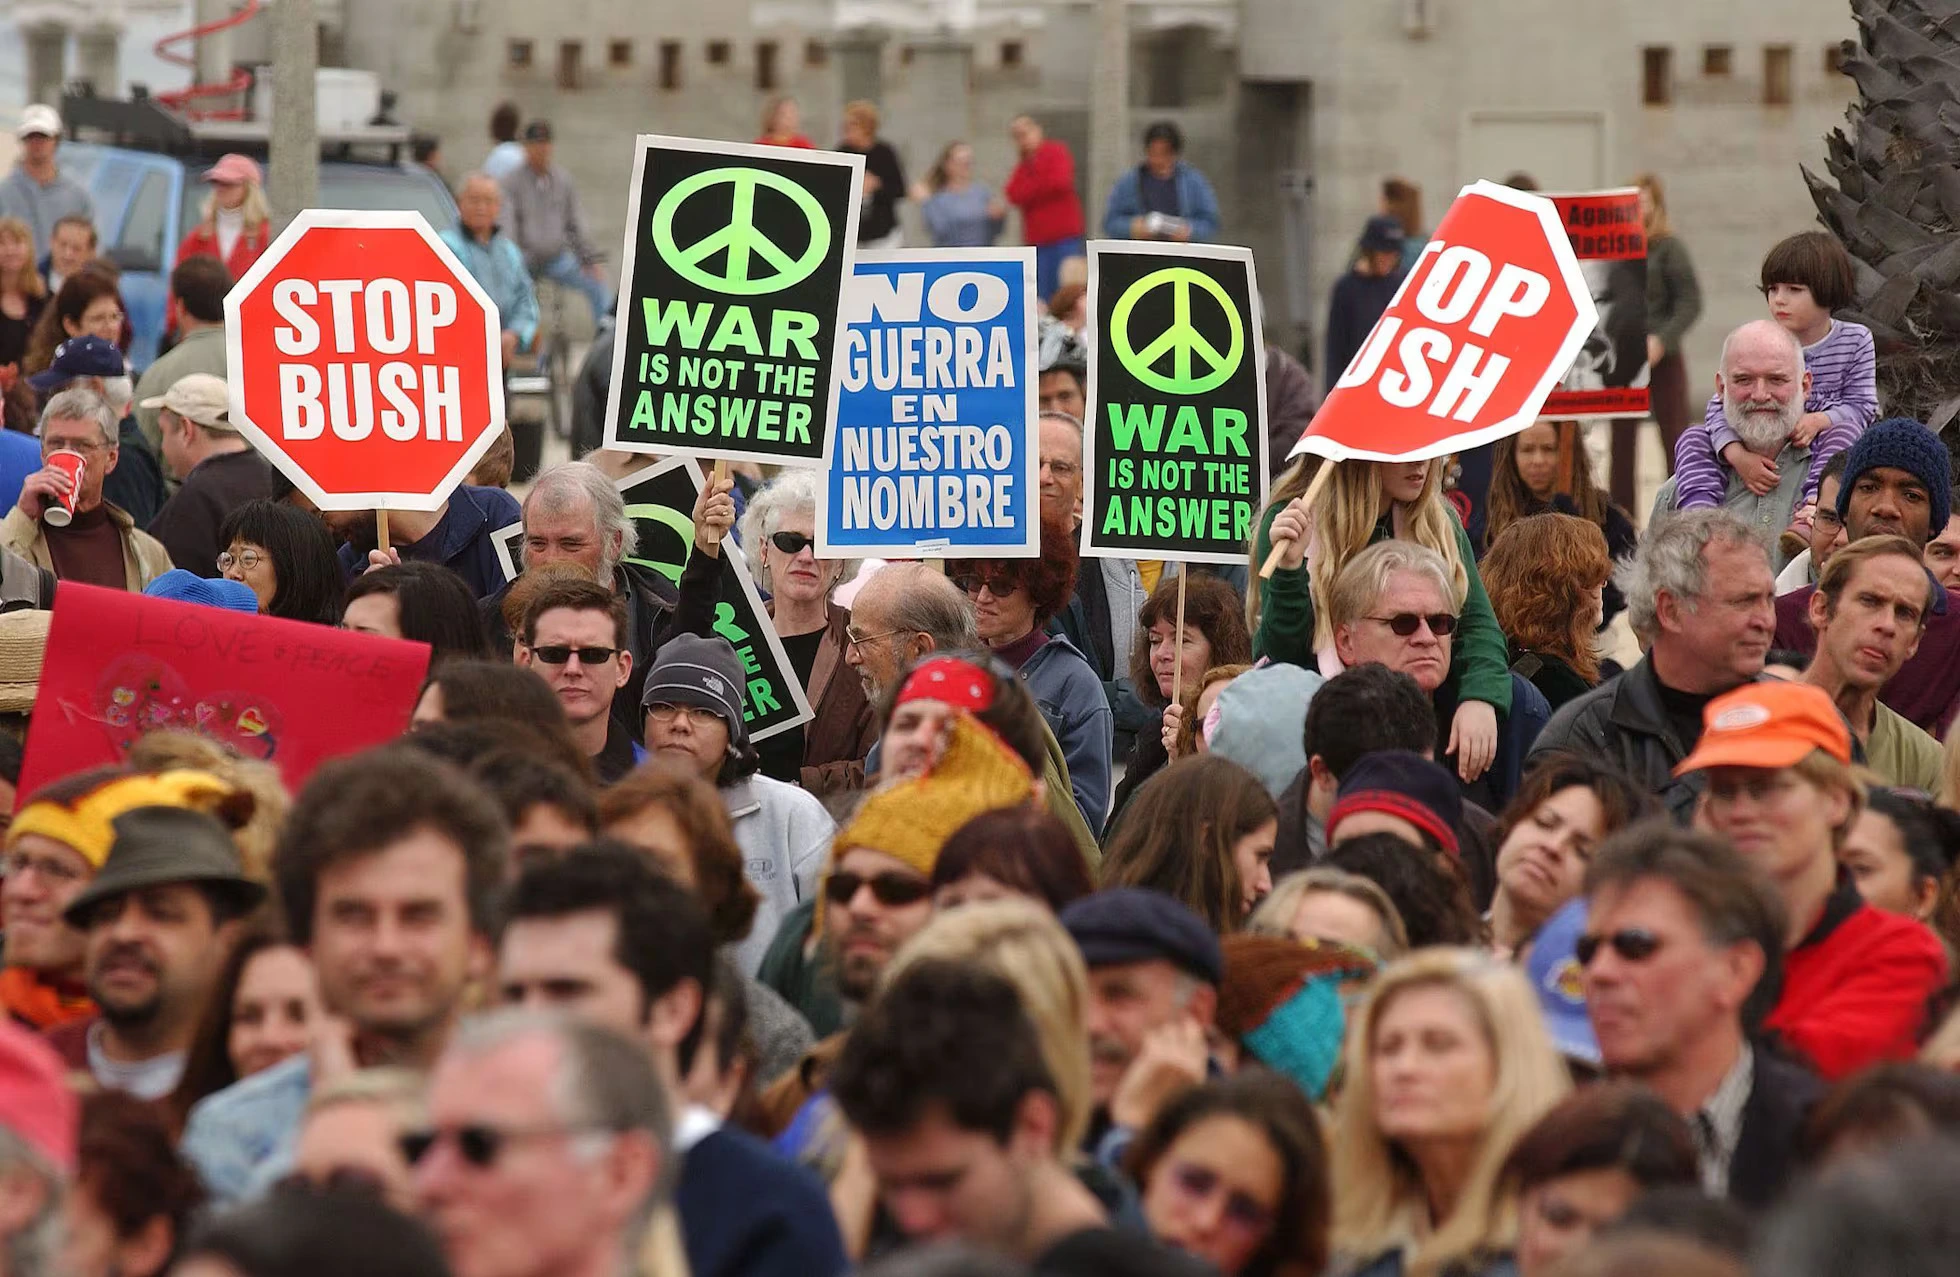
(364, 361)
(1478, 335)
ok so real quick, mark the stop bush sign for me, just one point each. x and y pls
(1479, 334)
(364, 361)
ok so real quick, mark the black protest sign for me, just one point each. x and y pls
(660, 501)
(735, 263)
(1174, 456)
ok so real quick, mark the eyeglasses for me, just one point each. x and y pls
(47, 867)
(1000, 585)
(1200, 1183)
(859, 640)
(1060, 469)
(791, 542)
(888, 889)
(1441, 624)
(244, 561)
(480, 1144)
(1632, 944)
(51, 446)
(558, 654)
(697, 715)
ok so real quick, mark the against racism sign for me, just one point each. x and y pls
(364, 361)
(935, 450)
(1473, 342)
(736, 258)
(293, 694)
(660, 501)
(1174, 452)
(1608, 377)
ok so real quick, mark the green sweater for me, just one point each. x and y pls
(1479, 656)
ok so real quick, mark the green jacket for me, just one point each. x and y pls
(1479, 655)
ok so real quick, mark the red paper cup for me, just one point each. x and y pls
(61, 511)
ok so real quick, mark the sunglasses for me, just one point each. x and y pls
(791, 542)
(1200, 1183)
(1001, 586)
(888, 889)
(479, 1144)
(554, 654)
(1632, 944)
(1403, 624)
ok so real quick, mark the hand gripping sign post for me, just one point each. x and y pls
(735, 262)
(1475, 339)
(935, 453)
(364, 362)
(1174, 455)
(660, 500)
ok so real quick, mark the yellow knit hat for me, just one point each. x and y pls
(88, 824)
(912, 819)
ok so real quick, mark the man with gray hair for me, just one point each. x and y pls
(549, 1149)
(574, 515)
(90, 363)
(1396, 604)
(99, 544)
(1762, 474)
(1701, 597)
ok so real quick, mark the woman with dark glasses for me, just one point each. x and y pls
(1014, 600)
(779, 533)
(1234, 1172)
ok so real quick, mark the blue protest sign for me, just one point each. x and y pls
(935, 451)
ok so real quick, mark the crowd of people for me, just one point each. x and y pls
(1116, 916)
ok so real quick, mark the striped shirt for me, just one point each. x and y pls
(1717, 1124)
(1843, 386)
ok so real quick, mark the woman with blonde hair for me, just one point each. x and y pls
(236, 223)
(1447, 1064)
(23, 293)
(1324, 903)
(1357, 504)
(782, 125)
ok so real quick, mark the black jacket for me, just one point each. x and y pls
(1625, 722)
(655, 612)
(1766, 1152)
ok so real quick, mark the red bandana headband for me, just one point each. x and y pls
(953, 681)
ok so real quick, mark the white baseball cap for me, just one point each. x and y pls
(39, 118)
(197, 397)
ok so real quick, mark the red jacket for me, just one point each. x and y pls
(203, 242)
(1855, 989)
(1043, 188)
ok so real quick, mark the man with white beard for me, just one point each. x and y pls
(1762, 383)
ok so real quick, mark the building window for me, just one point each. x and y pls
(815, 53)
(620, 53)
(518, 54)
(670, 64)
(718, 53)
(1834, 59)
(568, 64)
(1717, 60)
(1656, 75)
(1011, 53)
(1776, 75)
(765, 66)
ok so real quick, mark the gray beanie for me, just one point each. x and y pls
(703, 672)
(1261, 716)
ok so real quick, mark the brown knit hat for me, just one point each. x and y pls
(1261, 972)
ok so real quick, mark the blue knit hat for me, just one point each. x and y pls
(189, 587)
(1901, 443)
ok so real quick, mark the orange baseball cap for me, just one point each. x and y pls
(1771, 724)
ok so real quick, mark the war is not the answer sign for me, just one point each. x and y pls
(734, 268)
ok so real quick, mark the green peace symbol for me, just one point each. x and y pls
(740, 239)
(1180, 339)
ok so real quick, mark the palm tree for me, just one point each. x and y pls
(1895, 204)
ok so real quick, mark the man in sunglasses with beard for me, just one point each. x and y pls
(1682, 948)
(1394, 604)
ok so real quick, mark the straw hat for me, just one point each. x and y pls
(23, 646)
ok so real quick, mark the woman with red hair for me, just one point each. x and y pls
(1013, 599)
(1546, 575)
